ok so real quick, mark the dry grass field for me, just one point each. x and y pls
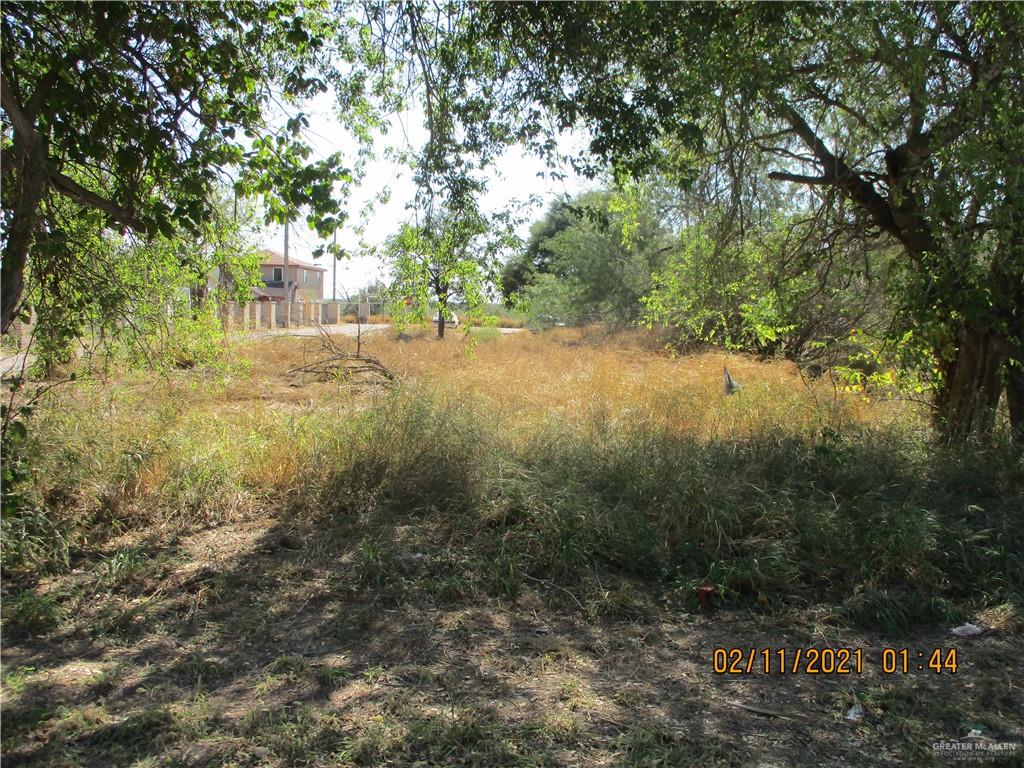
(499, 560)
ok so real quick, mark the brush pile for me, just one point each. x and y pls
(329, 361)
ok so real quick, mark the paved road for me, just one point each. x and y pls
(11, 364)
(345, 329)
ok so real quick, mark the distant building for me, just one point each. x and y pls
(305, 280)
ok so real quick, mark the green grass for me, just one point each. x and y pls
(878, 523)
(486, 334)
(28, 613)
(653, 747)
(894, 532)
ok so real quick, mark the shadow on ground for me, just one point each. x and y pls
(286, 643)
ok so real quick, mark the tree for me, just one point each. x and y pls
(128, 292)
(536, 258)
(592, 258)
(452, 256)
(782, 287)
(129, 113)
(909, 112)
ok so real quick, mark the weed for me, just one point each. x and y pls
(375, 562)
(486, 334)
(562, 456)
(656, 747)
(16, 679)
(296, 737)
(331, 675)
(500, 545)
(374, 675)
(124, 565)
(196, 669)
(32, 614)
(289, 665)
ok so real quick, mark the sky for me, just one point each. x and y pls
(514, 178)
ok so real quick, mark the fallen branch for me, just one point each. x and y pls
(758, 710)
(334, 363)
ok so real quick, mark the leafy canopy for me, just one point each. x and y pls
(909, 113)
(137, 111)
(452, 257)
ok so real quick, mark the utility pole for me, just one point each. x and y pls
(287, 288)
(334, 278)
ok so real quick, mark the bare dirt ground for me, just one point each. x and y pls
(249, 644)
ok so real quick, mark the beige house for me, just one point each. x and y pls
(304, 279)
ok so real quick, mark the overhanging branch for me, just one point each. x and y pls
(796, 178)
(73, 189)
(843, 175)
(46, 83)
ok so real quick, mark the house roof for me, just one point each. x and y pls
(275, 259)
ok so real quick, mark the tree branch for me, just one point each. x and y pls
(859, 190)
(911, 229)
(9, 101)
(798, 179)
(832, 101)
(72, 188)
(47, 82)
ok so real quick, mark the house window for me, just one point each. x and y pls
(278, 274)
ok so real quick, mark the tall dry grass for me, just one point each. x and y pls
(567, 373)
(555, 455)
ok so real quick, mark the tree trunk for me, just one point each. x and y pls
(1015, 402)
(441, 292)
(31, 181)
(27, 173)
(969, 393)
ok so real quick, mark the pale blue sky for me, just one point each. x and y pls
(513, 179)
